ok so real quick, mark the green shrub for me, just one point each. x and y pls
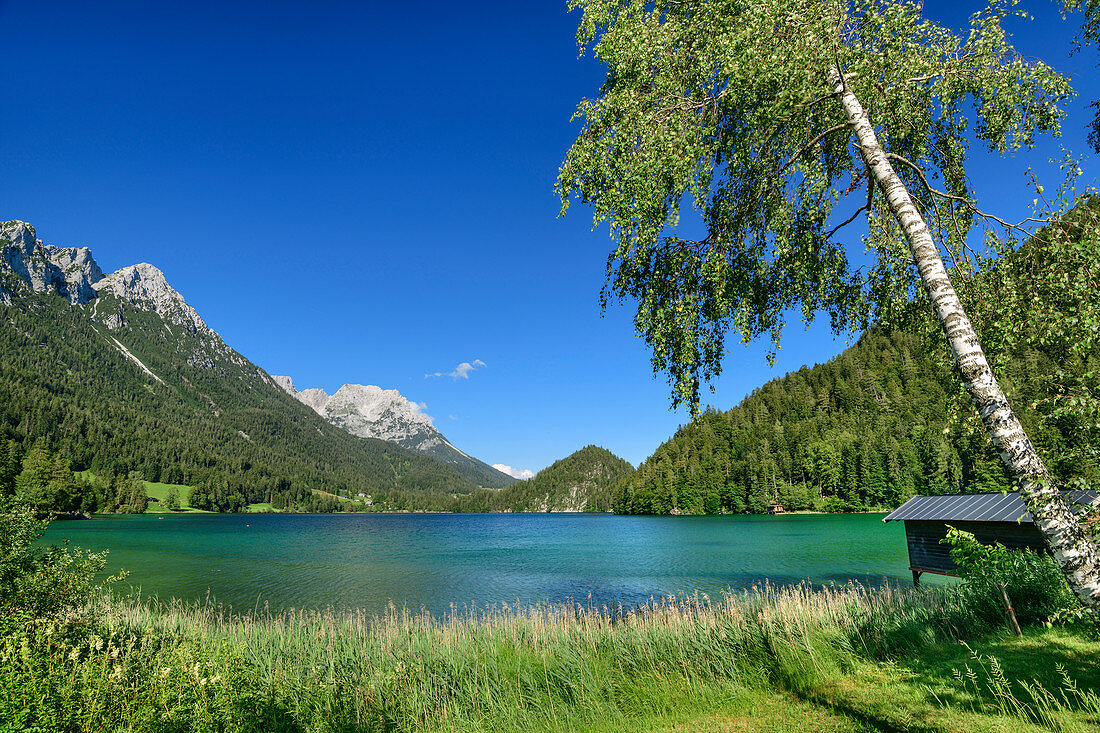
(1033, 582)
(40, 583)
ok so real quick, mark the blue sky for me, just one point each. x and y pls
(363, 192)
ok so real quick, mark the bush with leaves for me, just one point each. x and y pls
(172, 500)
(51, 583)
(1032, 581)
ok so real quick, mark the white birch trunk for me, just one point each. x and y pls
(1072, 548)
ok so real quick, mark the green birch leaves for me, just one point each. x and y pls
(725, 107)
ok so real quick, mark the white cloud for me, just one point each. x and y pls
(453, 417)
(521, 473)
(423, 406)
(462, 371)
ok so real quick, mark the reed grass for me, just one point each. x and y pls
(175, 666)
(543, 666)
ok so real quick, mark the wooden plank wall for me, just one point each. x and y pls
(926, 552)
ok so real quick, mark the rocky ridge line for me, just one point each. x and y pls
(26, 261)
(144, 285)
(371, 412)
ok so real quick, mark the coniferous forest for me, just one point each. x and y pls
(581, 481)
(866, 430)
(207, 419)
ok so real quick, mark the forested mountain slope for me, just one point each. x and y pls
(124, 376)
(580, 482)
(215, 420)
(864, 430)
(886, 419)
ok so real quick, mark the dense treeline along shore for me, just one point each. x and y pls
(44, 479)
(840, 659)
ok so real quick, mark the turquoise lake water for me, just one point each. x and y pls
(434, 561)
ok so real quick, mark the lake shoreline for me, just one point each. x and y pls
(192, 512)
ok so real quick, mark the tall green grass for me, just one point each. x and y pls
(545, 667)
(989, 687)
(510, 668)
(75, 658)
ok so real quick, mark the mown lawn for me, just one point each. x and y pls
(160, 493)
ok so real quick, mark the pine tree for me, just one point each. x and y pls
(10, 466)
(33, 486)
(63, 486)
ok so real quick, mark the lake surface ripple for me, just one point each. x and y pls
(438, 561)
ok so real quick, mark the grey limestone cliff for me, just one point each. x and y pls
(372, 412)
(143, 285)
(26, 262)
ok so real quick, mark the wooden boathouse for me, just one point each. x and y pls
(990, 518)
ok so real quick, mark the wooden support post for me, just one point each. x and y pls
(1010, 612)
(916, 578)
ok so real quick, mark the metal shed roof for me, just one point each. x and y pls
(975, 507)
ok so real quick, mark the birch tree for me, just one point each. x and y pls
(783, 124)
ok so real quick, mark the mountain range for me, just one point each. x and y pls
(123, 375)
(372, 412)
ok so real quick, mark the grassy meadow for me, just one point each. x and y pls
(160, 492)
(797, 659)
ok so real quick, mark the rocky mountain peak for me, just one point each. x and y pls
(25, 260)
(286, 383)
(145, 286)
(374, 403)
(19, 234)
(315, 398)
(367, 411)
(372, 412)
